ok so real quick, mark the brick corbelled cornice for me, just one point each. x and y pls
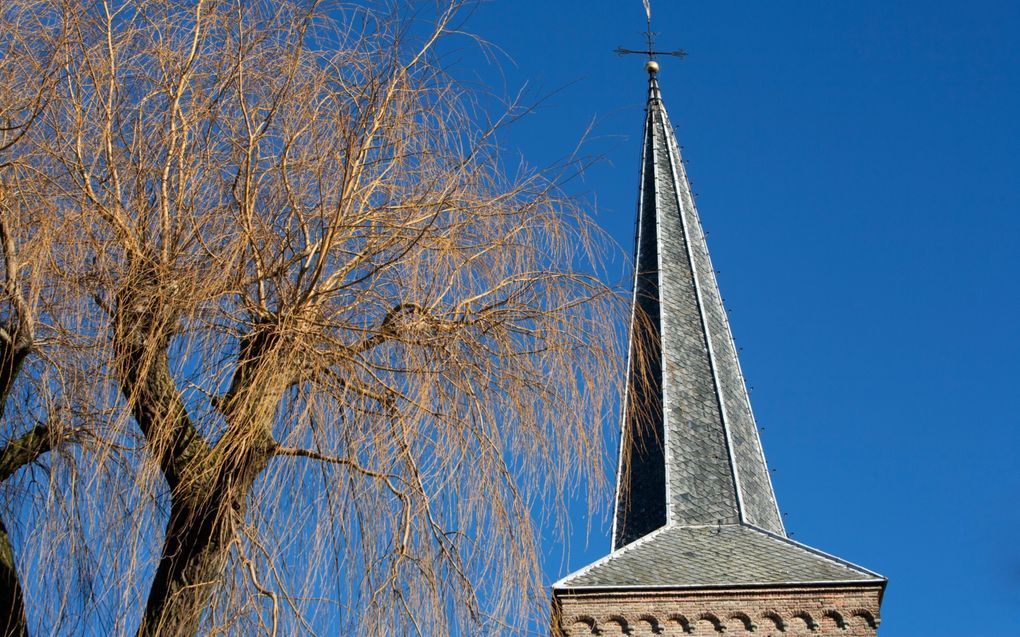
(851, 611)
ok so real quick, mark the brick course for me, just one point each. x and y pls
(844, 611)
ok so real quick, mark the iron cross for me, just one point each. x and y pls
(650, 40)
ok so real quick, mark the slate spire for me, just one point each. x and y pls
(698, 544)
(690, 451)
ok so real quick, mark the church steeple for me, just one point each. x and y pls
(690, 451)
(698, 541)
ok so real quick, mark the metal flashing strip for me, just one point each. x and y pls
(722, 587)
(819, 553)
(663, 385)
(743, 383)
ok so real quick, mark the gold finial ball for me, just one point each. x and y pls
(652, 67)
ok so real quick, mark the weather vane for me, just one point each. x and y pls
(650, 40)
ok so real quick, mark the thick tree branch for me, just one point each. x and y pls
(13, 622)
(13, 352)
(24, 450)
(390, 329)
(141, 339)
(202, 524)
(18, 338)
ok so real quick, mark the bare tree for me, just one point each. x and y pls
(330, 356)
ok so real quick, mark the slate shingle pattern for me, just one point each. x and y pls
(692, 455)
(724, 556)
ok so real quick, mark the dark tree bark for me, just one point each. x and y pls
(209, 485)
(195, 548)
(14, 349)
(13, 622)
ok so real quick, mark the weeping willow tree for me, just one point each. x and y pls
(310, 358)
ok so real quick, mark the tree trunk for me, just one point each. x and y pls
(194, 554)
(13, 622)
(209, 485)
(12, 357)
(198, 539)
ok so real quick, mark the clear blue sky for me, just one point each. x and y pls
(858, 166)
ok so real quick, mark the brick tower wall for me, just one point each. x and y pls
(830, 611)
